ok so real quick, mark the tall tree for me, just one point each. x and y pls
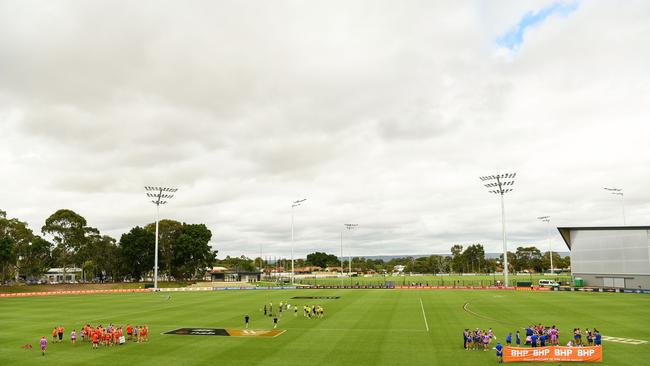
(31, 253)
(457, 258)
(321, 259)
(7, 256)
(242, 263)
(105, 257)
(528, 258)
(192, 252)
(474, 258)
(137, 252)
(34, 257)
(69, 232)
(168, 232)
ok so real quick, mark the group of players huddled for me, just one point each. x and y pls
(477, 339)
(100, 335)
(536, 336)
(542, 336)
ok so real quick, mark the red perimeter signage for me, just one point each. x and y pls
(553, 354)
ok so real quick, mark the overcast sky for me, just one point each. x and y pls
(380, 113)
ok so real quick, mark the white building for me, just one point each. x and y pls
(55, 275)
(610, 256)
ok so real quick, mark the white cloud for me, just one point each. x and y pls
(381, 113)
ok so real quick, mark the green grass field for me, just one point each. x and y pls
(362, 327)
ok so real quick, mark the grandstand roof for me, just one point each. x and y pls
(564, 231)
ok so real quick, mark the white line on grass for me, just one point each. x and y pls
(424, 315)
(365, 330)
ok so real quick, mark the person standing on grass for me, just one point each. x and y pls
(295, 311)
(95, 339)
(275, 322)
(499, 349)
(517, 338)
(597, 337)
(533, 340)
(553, 334)
(55, 333)
(264, 309)
(43, 345)
(509, 339)
(60, 333)
(246, 318)
(577, 337)
(73, 337)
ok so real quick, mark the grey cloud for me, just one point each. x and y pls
(380, 113)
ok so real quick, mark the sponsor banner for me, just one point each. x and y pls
(603, 289)
(78, 292)
(228, 332)
(199, 331)
(553, 354)
(454, 288)
(183, 289)
(254, 288)
(534, 288)
(348, 287)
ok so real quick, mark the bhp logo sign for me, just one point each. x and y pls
(553, 354)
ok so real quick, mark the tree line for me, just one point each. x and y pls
(470, 259)
(68, 241)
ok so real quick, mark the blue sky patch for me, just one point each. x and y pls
(514, 37)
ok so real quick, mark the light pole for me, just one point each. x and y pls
(158, 194)
(349, 227)
(547, 220)
(499, 184)
(618, 192)
(294, 205)
(341, 258)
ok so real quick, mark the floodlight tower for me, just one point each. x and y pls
(349, 227)
(158, 194)
(618, 192)
(294, 205)
(547, 220)
(500, 184)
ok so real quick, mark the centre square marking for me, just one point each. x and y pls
(227, 332)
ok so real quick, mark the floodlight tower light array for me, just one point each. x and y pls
(501, 184)
(159, 195)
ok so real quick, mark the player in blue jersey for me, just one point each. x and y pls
(499, 349)
(517, 339)
(509, 339)
(597, 337)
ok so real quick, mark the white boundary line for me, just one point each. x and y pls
(424, 315)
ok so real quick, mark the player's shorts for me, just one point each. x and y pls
(42, 348)
(499, 354)
(60, 336)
